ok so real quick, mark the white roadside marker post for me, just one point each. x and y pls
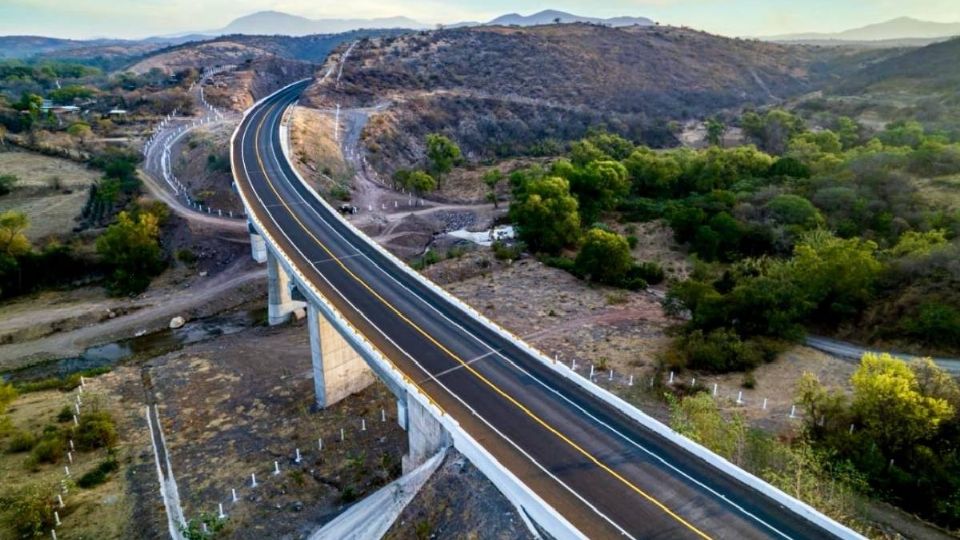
(221, 515)
(276, 468)
(793, 410)
(297, 459)
(56, 518)
(253, 480)
(233, 494)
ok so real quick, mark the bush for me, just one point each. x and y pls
(650, 272)
(29, 512)
(8, 393)
(605, 257)
(96, 430)
(428, 258)
(720, 350)
(65, 414)
(21, 441)
(50, 449)
(506, 252)
(7, 181)
(186, 256)
(99, 475)
(340, 193)
(632, 241)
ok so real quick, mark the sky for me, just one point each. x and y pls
(142, 18)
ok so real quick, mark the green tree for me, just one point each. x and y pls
(789, 209)
(492, 179)
(773, 130)
(612, 146)
(599, 185)
(443, 154)
(80, 130)
(546, 214)
(903, 133)
(652, 174)
(605, 257)
(421, 182)
(849, 132)
(131, 249)
(70, 93)
(837, 275)
(715, 131)
(889, 404)
(13, 243)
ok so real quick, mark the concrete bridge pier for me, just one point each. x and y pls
(280, 303)
(425, 434)
(338, 370)
(258, 246)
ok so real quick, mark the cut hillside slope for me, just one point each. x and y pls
(505, 91)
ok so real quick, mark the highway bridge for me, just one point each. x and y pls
(577, 461)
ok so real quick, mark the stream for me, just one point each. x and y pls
(139, 347)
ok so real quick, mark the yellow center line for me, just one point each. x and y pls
(466, 365)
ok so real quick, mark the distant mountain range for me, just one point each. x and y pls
(551, 16)
(902, 28)
(276, 22)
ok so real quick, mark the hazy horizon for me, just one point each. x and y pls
(85, 19)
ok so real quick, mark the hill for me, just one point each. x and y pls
(238, 48)
(278, 23)
(894, 29)
(931, 68)
(551, 16)
(505, 91)
(22, 47)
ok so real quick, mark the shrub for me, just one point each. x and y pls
(506, 252)
(21, 441)
(650, 272)
(8, 393)
(96, 430)
(186, 256)
(65, 414)
(605, 257)
(7, 181)
(50, 449)
(29, 512)
(720, 350)
(632, 241)
(428, 258)
(340, 193)
(98, 475)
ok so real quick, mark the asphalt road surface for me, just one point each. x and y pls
(606, 474)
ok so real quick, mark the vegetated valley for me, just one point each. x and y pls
(706, 203)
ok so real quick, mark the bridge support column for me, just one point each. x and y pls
(258, 247)
(425, 434)
(338, 370)
(280, 304)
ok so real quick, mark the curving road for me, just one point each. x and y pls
(608, 475)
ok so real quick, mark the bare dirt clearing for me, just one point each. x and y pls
(227, 413)
(50, 191)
